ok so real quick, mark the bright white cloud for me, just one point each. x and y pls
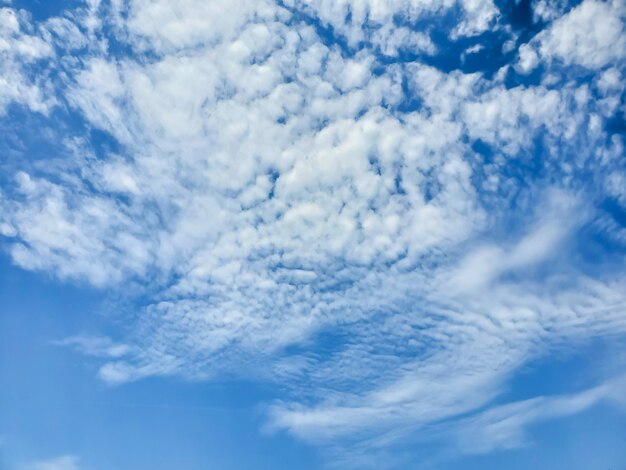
(353, 19)
(591, 35)
(18, 51)
(269, 190)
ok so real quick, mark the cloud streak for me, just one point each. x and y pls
(65, 462)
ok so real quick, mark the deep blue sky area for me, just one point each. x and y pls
(309, 234)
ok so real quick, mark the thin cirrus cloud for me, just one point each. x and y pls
(65, 462)
(265, 187)
(504, 426)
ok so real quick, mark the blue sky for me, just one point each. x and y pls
(312, 234)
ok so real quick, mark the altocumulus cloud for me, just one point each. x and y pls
(308, 193)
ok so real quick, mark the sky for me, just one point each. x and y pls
(310, 234)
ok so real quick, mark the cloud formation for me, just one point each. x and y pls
(294, 198)
(504, 426)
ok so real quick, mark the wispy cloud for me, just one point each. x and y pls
(65, 462)
(504, 426)
(301, 195)
(95, 346)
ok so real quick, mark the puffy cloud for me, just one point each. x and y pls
(354, 19)
(281, 212)
(19, 50)
(591, 35)
(548, 10)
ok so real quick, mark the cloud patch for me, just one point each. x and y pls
(285, 196)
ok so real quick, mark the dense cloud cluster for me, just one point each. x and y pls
(299, 192)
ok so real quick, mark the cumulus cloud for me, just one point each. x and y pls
(282, 214)
(591, 35)
(353, 20)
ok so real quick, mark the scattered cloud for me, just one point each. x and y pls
(287, 197)
(591, 35)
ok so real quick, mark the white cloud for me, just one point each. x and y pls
(505, 426)
(528, 59)
(269, 191)
(591, 35)
(459, 362)
(95, 346)
(393, 40)
(18, 51)
(548, 10)
(354, 19)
